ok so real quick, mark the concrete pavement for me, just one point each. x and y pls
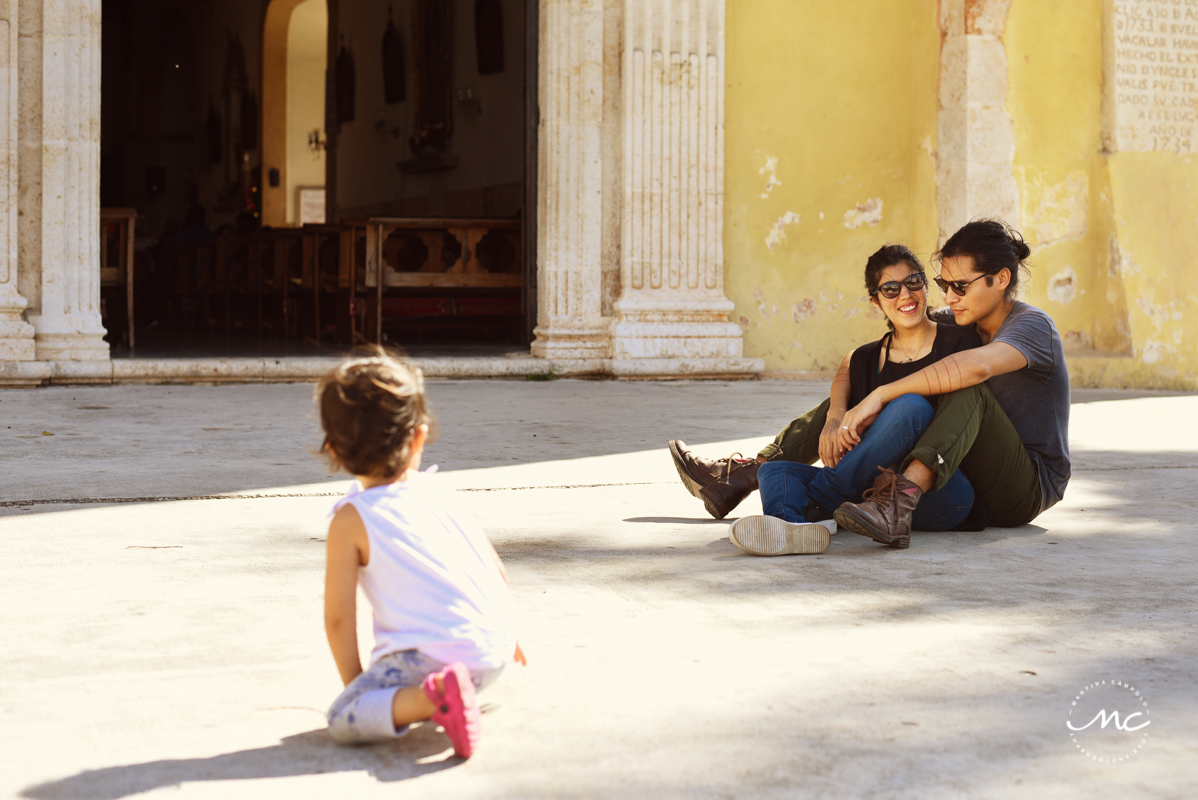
(175, 646)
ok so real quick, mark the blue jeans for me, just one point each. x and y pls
(803, 493)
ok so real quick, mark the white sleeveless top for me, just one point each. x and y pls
(432, 581)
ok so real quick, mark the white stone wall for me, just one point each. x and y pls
(59, 184)
(664, 80)
(1150, 92)
(630, 190)
(17, 351)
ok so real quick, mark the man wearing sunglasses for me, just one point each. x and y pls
(1003, 414)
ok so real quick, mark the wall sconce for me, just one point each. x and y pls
(317, 142)
(468, 100)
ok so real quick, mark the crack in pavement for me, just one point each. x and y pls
(101, 500)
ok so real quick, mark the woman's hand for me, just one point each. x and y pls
(857, 420)
(830, 451)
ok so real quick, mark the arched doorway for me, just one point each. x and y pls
(294, 54)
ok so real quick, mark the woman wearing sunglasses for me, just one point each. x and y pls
(799, 499)
(1003, 415)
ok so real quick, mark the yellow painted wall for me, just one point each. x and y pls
(1122, 228)
(307, 46)
(831, 105)
(1155, 203)
(1054, 97)
(840, 99)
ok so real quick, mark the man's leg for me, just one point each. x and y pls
(971, 431)
(799, 441)
(723, 483)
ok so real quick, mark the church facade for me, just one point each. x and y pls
(698, 183)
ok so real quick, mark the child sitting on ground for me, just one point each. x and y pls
(442, 609)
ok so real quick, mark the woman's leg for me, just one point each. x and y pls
(893, 434)
(784, 489)
(799, 441)
(945, 508)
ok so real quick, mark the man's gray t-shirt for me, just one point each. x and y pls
(1036, 398)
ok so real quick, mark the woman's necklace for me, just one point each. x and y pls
(909, 358)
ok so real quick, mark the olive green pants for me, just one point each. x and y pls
(972, 432)
(799, 441)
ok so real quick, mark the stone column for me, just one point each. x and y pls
(976, 150)
(672, 315)
(58, 231)
(570, 322)
(17, 353)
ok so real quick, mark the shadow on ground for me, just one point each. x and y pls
(309, 753)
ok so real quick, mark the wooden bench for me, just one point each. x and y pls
(334, 272)
(439, 266)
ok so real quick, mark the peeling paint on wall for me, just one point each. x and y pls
(1062, 287)
(1056, 211)
(800, 311)
(777, 234)
(866, 213)
(1075, 340)
(770, 168)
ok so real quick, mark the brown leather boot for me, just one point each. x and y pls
(885, 512)
(721, 483)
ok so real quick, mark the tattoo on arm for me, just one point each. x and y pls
(960, 374)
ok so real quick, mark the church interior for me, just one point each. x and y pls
(302, 176)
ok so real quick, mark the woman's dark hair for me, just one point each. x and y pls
(370, 407)
(888, 256)
(994, 246)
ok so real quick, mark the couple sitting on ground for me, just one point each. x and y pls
(959, 419)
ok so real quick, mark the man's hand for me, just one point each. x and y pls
(830, 451)
(857, 420)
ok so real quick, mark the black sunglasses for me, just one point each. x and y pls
(959, 287)
(914, 282)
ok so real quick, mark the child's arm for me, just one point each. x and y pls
(498, 561)
(347, 549)
(519, 655)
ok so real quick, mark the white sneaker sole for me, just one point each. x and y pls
(770, 536)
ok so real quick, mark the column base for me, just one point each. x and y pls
(24, 374)
(735, 368)
(73, 346)
(571, 343)
(75, 372)
(16, 335)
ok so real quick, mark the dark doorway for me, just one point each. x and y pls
(430, 115)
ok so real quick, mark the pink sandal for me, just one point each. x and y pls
(456, 710)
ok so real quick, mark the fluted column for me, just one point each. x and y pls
(17, 353)
(672, 315)
(58, 231)
(570, 322)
